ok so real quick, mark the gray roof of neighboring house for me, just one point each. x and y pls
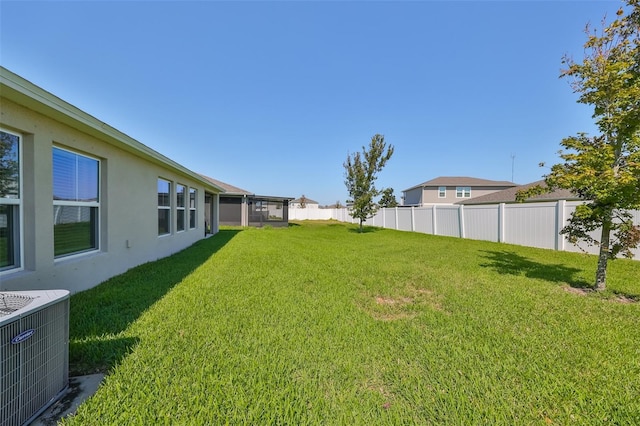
(463, 181)
(509, 195)
(307, 200)
(228, 189)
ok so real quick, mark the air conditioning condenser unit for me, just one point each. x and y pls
(34, 353)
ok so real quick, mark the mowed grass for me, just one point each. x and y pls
(318, 324)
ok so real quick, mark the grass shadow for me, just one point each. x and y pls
(365, 229)
(105, 354)
(100, 314)
(505, 262)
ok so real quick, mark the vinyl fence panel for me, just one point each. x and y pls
(423, 219)
(378, 219)
(448, 221)
(636, 221)
(405, 219)
(531, 224)
(390, 218)
(296, 213)
(596, 235)
(582, 246)
(482, 222)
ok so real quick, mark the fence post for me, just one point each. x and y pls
(413, 220)
(396, 213)
(560, 218)
(434, 220)
(501, 210)
(461, 219)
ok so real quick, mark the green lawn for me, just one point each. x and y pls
(318, 324)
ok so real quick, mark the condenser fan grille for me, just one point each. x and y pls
(9, 302)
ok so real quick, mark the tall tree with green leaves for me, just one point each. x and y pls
(361, 170)
(604, 170)
(388, 199)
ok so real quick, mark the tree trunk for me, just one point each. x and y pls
(361, 221)
(603, 257)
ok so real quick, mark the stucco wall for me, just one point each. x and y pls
(413, 197)
(128, 207)
(430, 194)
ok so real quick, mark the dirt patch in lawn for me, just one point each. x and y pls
(617, 298)
(404, 306)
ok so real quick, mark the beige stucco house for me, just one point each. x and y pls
(307, 202)
(450, 190)
(80, 201)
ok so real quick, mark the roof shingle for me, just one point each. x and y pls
(509, 195)
(229, 189)
(463, 181)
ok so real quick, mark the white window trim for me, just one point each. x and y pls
(182, 208)
(83, 204)
(19, 203)
(462, 189)
(442, 193)
(194, 209)
(171, 190)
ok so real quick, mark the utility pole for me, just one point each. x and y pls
(513, 161)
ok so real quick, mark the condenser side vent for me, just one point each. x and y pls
(34, 353)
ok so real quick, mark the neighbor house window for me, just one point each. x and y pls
(463, 192)
(164, 207)
(442, 192)
(193, 198)
(76, 202)
(181, 193)
(10, 200)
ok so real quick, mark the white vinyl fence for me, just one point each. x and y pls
(525, 224)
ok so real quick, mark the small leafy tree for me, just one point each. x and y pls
(303, 202)
(604, 170)
(361, 171)
(388, 199)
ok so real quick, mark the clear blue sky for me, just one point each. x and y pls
(272, 96)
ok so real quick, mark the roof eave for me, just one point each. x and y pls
(28, 95)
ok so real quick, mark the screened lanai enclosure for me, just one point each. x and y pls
(254, 211)
(268, 211)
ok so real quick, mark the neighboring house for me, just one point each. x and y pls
(308, 203)
(239, 207)
(449, 190)
(509, 195)
(81, 202)
(334, 206)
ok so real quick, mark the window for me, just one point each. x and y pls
(463, 192)
(181, 192)
(76, 203)
(193, 198)
(10, 201)
(442, 192)
(164, 207)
